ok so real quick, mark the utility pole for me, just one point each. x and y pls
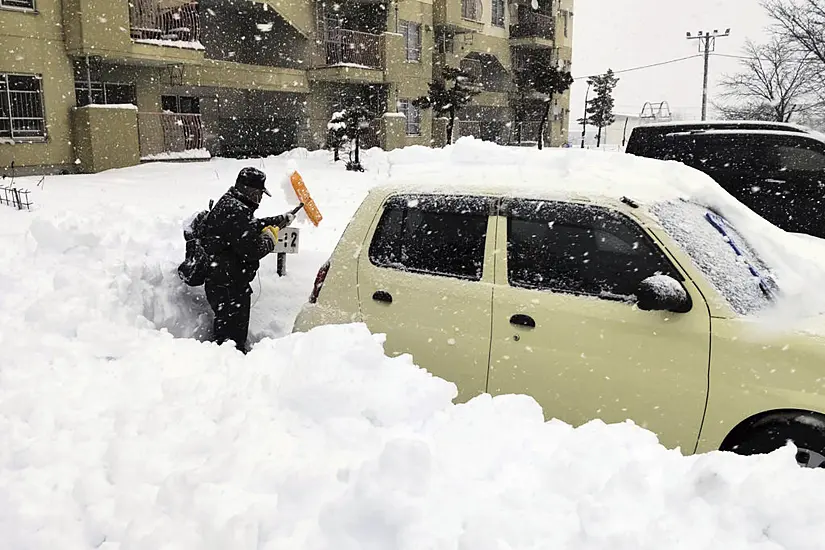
(707, 44)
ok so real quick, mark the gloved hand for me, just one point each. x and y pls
(270, 233)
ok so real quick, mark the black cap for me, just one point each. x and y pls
(252, 177)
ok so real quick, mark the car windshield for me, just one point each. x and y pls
(721, 252)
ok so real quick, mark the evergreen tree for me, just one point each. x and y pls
(337, 135)
(449, 94)
(541, 75)
(354, 118)
(600, 108)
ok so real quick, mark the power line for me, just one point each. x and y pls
(668, 62)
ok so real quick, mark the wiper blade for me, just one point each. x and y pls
(719, 223)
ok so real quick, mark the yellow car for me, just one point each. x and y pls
(597, 307)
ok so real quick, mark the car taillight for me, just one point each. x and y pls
(319, 282)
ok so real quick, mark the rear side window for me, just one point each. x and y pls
(434, 235)
(745, 153)
(580, 249)
(795, 155)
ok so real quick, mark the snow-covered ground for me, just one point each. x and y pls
(120, 430)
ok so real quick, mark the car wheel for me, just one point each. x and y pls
(809, 440)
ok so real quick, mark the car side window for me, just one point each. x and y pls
(783, 153)
(580, 249)
(435, 235)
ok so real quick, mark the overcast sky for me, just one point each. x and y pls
(621, 34)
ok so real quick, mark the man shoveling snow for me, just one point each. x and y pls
(233, 242)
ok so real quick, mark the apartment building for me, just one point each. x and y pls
(87, 85)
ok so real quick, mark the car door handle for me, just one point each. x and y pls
(523, 320)
(382, 296)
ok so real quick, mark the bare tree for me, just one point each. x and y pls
(801, 22)
(776, 83)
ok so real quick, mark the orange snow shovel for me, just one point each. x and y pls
(310, 207)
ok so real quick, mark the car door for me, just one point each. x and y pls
(566, 331)
(425, 280)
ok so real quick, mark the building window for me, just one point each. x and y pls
(105, 93)
(17, 4)
(471, 10)
(566, 24)
(412, 39)
(21, 107)
(181, 104)
(413, 115)
(498, 13)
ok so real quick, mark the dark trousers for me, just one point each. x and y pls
(231, 307)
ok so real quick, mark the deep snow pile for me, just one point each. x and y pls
(319, 441)
(118, 435)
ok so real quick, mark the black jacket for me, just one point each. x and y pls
(233, 241)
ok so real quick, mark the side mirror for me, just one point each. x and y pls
(663, 293)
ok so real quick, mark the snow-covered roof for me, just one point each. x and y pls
(756, 123)
(473, 166)
(752, 132)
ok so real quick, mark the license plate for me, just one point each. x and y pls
(288, 238)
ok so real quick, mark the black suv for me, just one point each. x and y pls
(776, 169)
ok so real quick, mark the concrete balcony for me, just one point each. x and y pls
(149, 22)
(532, 29)
(350, 56)
(466, 15)
(140, 31)
(172, 134)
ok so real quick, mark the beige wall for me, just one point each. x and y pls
(96, 27)
(410, 80)
(32, 43)
(105, 138)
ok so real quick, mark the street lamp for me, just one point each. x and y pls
(584, 117)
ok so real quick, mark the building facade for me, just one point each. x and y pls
(87, 85)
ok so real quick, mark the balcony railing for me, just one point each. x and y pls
(169, 133)
(531, 24)
(150, 21)
(354, 48)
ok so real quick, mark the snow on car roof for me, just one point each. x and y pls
(711, 123)
(471, 166)
(748, 132)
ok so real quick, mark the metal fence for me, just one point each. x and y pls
(526, 131)
(150, 21)
(465, 128)
(531, 24)
(15, 197)
(344, 46)
(169, 133)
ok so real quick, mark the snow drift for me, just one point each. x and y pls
(121, 430)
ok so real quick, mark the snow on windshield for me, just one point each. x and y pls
(711, 251)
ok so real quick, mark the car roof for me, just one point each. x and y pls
(743, 132)
(605, 184)
(725, 125)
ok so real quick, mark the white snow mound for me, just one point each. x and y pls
(319, 441)
(121, 431)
